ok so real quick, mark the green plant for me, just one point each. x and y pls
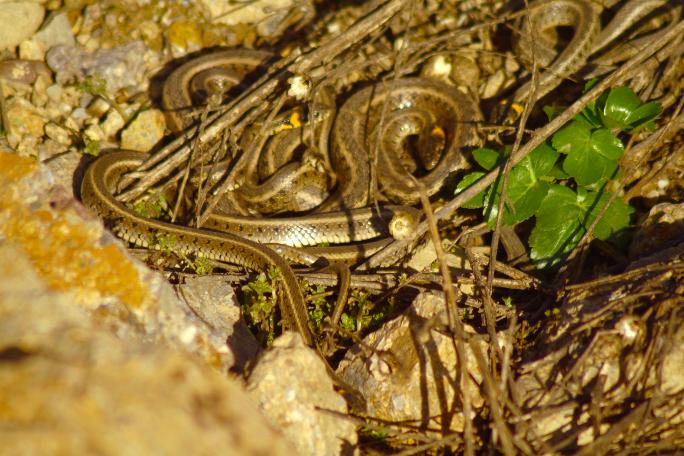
(563, 183)
(96, 85)
(259, 304)
(153, 207)
(92, 147)
(316, 297)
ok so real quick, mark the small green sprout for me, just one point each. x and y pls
(92, 147)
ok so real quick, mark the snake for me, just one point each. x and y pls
(96, 192)
(538, 32)
(406, 132)
(262, 243)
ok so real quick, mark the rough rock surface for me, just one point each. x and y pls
(18, 21)
(271, 17)
(213, 300)
(72, 251)
(69, 386)
(614, 341)
(408, 370)
(122, 66)
(290, 382)
(55, 32)
(144, 132)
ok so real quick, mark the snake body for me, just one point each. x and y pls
(538, 33)
(96, 192)
(404, 126)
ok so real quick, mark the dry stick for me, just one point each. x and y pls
(246, 156)
(161, 171)
(586, 238)
(397, 248)
(302, 65)
(507, 439)
(529, 103)
(375, 149)
(497, 354)
(180, 155)
(654, 141)
(188, 165)
(455, 323)
(359, 30)
(218, 151)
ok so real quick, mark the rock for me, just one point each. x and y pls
(465, 71)
(144, 131)
(408, 371)
(289, 382)
(437, 67)
(609, 339)
(63, 168)
(423, 257)
(97, 108)
(214, 302)
(664, 227)
(31, 50)
(54, 93)
(18, 21)
(112, 124)
(73, 253)
(119, 67)
(184, 37)
(20, 71)
(73, 386)
(493, 84)
(56, 32)
(24, 118)
(58, 133)
(93, 132)
(271, 16)
(39, 96)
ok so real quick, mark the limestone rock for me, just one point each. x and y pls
(144, 131)
(70, 386)
(272, 17)
(18, 21)
(72, 252)
(119, 67)
(289, 382)
(214, 302)
(408, 370)
(57, 31)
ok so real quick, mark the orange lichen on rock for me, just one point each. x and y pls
(13, 167)
(65, 249)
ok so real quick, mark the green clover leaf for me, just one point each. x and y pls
(526, 186)
(615, 219)
(623, 109)
(467, 181)
(591, 155)
(558, 227)
(487, 158)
